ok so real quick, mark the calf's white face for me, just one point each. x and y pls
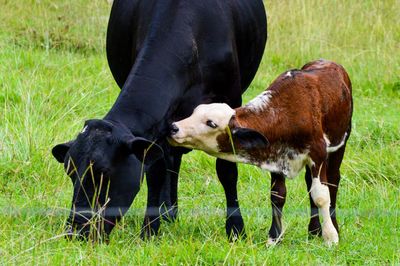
(201, 129)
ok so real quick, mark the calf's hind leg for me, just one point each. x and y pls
(333, 173)
(314, 226)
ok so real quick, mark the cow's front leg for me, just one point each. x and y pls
(228, 174)
(278, 198)
(169, 192)
(321, 198)
(155, 177)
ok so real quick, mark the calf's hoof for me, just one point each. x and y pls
(330, 235)
(273, 241)
(275, 236)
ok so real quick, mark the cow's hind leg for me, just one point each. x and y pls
(314, 226)
(228, 174)
(278, 198)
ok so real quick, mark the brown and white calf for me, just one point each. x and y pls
(303, 119)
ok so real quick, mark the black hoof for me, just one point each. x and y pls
(274, 241)
(235, 229)
(150, 228)
(170, 214)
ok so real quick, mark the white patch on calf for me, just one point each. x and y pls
(327, 141)
(273, 167)
(337, 147)
(289, 163)
(320, 193)
(259, 103)
(288, 74)
(232, 158)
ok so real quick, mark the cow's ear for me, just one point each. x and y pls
(249, 139)
(145, 150)
(60, 151)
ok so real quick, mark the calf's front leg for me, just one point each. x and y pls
(278, 198)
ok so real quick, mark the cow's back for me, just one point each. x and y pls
(222, 28)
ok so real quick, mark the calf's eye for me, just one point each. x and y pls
(211, 124)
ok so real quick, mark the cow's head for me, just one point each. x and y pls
(105, 166)
(214, 129)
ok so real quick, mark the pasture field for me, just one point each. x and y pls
(54, 76)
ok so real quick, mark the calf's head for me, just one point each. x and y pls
(214, 129)
(104, 163)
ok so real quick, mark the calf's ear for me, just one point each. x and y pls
(249, 138)
(145, 150)
(60, 151)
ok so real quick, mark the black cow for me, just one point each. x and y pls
(168, 56)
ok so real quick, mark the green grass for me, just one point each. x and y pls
(54, 75)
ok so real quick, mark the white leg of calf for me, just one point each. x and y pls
(321, 198)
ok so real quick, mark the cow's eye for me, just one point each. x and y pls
(211, 124)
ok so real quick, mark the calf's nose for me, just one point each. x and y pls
(174, 129)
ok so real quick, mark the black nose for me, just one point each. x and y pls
(174, 129)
